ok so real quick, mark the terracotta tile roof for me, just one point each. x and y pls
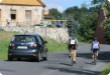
(23, 2)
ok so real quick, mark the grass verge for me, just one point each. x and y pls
(106, 71)
(5, 38)
(54, 46)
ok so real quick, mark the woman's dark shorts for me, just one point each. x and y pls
(72, 46)
(95, 50)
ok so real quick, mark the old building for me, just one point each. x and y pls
(21, 12)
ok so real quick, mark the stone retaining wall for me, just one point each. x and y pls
(58, 34)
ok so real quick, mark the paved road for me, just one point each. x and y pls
(59, 64)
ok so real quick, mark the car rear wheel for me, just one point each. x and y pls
(19, 59)
(10, 58)
(39, 57)
(46, 56)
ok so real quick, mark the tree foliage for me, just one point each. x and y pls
(97, 1)
(84, 20)
(54, 13)
(105, 6)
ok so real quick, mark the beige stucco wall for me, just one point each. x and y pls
(37, 13)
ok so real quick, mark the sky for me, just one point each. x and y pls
(61, 5)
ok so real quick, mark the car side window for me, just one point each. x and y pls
(40, 40)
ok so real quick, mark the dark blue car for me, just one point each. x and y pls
(27, 46)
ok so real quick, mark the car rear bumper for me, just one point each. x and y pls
(23, 54)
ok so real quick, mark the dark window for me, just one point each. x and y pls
(24, 39)
(40, 40)
(13, 14)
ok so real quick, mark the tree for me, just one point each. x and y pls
(105, 6)
(87, 25)
(72, 12)
(97, 1)
(84, 21)
(54, 13)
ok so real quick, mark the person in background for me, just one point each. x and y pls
(58, 24)
(95, 47)
(72, 47)
(8, 21)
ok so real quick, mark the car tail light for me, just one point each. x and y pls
(11, 44)
(33, 45)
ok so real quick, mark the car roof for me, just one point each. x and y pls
(27, 35)
(72, 37)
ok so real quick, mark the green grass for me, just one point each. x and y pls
(106, 70)
(54, 46)
(5, 38)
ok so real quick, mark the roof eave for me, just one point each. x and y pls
(21, 4)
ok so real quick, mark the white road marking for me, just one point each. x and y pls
(1, 74)
(109, 74)
(109, 0)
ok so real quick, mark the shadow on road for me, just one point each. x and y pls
(104, 56)
(84, 55)
(23, 60)
(73, 70)
(65, 64)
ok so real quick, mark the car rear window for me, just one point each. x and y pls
(23, 39)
